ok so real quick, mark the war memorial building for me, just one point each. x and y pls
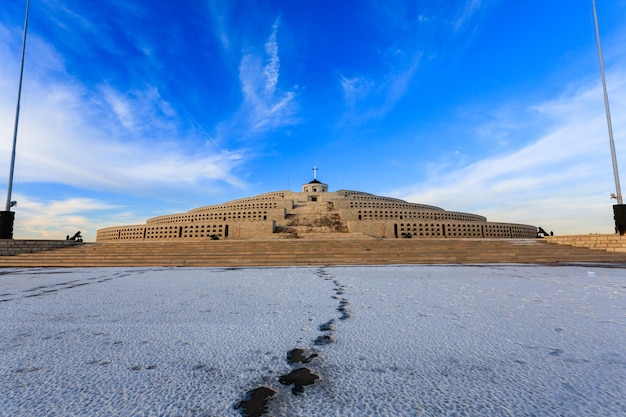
(315, 212)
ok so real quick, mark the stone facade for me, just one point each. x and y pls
(315, 211)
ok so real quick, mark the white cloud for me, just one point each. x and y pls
(561, 180)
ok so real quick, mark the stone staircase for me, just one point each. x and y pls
(297, 252)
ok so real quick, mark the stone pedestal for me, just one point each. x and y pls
(619, 214)
(6, 224)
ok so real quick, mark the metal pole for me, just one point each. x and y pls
(17, 111)
(608, 110)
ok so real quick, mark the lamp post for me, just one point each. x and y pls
(619, 209)
(7, 217)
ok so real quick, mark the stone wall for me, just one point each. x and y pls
(611, 243)
(408, 214)
(187, 231)
(432, 229)
(9, 247)
(224, 214)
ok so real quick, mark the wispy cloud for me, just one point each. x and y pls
(416, 29)
(561, 180)
(132, 109)
(102, 137)
(121, 107)
(355, 89)
(218, 12)
(265, 105)
(370, 97)
(467, 13)
(272, 68)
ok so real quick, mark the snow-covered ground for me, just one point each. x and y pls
(374, 341)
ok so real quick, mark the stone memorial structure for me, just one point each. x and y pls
(315, 212)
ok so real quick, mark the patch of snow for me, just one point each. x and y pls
(405, 341)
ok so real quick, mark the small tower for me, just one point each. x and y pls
(315, 186)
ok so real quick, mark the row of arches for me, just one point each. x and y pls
(457, 230)
(223, 216)
(379, 215)
(165, 232)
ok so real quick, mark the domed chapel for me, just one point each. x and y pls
(315, 213)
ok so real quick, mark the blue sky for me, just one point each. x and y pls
(136, 108)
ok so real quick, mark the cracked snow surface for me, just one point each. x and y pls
(504, 340)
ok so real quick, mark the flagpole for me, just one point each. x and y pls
(619, 209)
(606, 107)
(7, 217)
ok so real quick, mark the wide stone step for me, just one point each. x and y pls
(311, 252)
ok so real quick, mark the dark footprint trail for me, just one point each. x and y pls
(256, 401)
(44, 290)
